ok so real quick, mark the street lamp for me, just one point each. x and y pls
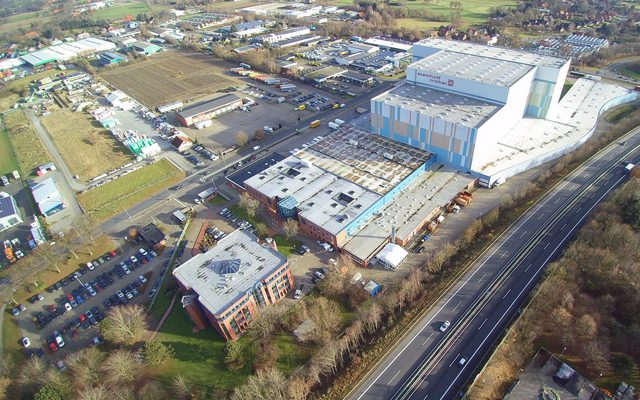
(563, 349)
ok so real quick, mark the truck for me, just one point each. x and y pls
(338, 121)
(460, 201)
(314, 124)
(433, 225)
(361, 110)
(179, 216)
(206, 193)
(629, 167)
(333, 125)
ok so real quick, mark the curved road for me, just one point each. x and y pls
(425, 363)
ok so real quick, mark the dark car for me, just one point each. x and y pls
(107, 303)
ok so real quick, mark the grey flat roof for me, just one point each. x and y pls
(255, 168)
(498, 53)
(208, 105)
(436, 103)
(474, 67)
(421, 200)
(229, 270)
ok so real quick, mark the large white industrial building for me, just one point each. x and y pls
(494, 112)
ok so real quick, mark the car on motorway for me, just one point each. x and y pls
(462, 361)
(445, 325)
(25, 342)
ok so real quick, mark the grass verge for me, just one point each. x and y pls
(122, 193)
(217, 200)
(88, 151)
(10, 347)
(27, 146)
(620, 112)
(565, 88)
(123, 10)
(631, 70)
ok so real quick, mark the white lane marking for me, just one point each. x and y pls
(482, 324)
(528, 267)
(523, 233)
(394, 377)
(481, 278)
(427, 339)
(506, 294)
(563, 226)
(454, 308)
(529, 283)
(517, 224)
(557, 200)
(425, 397)
(454, 360)
(503, 254)
(540, 217)
(546, 245)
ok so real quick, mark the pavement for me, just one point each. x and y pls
(425, 363)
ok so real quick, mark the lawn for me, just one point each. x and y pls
(199, 356)
(22, 20)
(122, 10)
(8, 160)
(26, 144)
(10, 346)
(417, 23)
(565, 88)
(217, 200)
(285, 246)
(50, 276)
(620, 112)
(88, 150)
(292, 353)
(631, 70)
(122, 193)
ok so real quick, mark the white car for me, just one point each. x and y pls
(444, 326)
(90, 266)
(256, 147)
(126, 270)
(297, 294)
(143, 251)
(25, 342)
(133, 259)
(142, 279)
(59, 339)
(67, 307)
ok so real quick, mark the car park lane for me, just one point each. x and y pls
(78, 327)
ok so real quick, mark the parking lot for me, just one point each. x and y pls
(77, 303)
(22, 231)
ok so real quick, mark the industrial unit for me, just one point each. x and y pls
(344, 184)
(47, 197)
(465, 102)
(209, 109)
(9, 213)
(67, 51)
(111, 58)
(226, 286)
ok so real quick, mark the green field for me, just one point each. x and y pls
(473, 12)
(631, 70)
(8, 161)
(122, 10)
(27, 145)
(23, 20)
(122, 193)
(620, 112)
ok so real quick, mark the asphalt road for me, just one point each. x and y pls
(425, 363)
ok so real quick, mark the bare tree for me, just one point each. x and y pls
(32, 373)
(152, 390)
(241, 139)
(325, 314)
(86, 226)
(124, 325)
(99, 392)
(267, 384)
(183, 388)
(265, 324)
(249, 204)
(586, 327)
(372, 317)
(291, 228)
(440, 257)
(260, 134)
(85, 366)
(120, 367)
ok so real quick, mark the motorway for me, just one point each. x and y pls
(425, 363)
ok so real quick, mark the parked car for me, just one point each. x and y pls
(142, 279)
(298, 293)
(59, 340)
(25, 342)
(318, 273)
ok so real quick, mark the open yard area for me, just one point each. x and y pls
(121, 10)
(122, 193)
(10, 93)
(88, 150)
(28, 148)
(171, 76)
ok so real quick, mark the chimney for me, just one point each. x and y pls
(393, 233)
(270, 242)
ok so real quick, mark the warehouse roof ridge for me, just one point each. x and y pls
(207, 105)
